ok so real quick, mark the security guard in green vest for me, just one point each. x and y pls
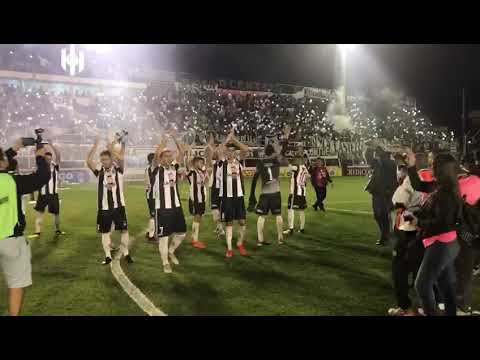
(15, 256)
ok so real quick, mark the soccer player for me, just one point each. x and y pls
(320, 180)
(48, 194)
(232, 191)
(297, 200)
(197, 176)
(150, 173)
(111, 202)
(268, 169)
(215, 179)
(170, 221)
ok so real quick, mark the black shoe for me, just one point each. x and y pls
(59, 232)
(322, 207)
(380, 243)
(266, 242)
(315, 208)
(288, 232)
(302, 231)
(128, 259)
(150, 240)
(107, 261)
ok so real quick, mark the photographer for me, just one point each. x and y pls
(382, 186)
(15, 253)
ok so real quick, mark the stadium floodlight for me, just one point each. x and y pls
(99, 48)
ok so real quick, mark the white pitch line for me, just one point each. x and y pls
(351, 211)
(132, 291)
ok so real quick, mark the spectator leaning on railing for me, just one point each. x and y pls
(15, 256)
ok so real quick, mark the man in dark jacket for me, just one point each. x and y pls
(15, 255)
(382, 185)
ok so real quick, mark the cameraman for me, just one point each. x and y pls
(15, 256)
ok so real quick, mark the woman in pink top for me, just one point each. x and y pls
(469, 185)
(437, 221)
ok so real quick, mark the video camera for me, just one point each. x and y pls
(39, 142)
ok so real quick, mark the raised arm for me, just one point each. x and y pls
(180, 147)
(160, 148)
(417, 184)
(90, 162)
(243, 148)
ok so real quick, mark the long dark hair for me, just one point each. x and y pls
(446, 170)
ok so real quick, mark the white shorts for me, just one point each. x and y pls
(15, 261)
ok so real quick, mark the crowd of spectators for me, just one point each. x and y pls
(197, 111)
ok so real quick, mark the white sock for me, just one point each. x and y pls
(195, 229)
(38, 223)
(57, 221)
(176, 241)
(124, 240)
(260, 226)
(241, 234)
(216, 220)
(279, 221)
(291, 218)
(229, 236)
(163, 249)
(106, 242)
(302, 220)
(151, 227)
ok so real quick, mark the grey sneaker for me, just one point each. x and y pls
(167, 269)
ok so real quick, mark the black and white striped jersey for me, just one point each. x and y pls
(298, 180)
(198, 180)
(215, 180)
(150, 173)
(51, 188)
(110, 188)
(231, 179)
(165, 188)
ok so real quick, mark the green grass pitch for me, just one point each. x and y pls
(333, 269)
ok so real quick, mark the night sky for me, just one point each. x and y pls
(433, 74)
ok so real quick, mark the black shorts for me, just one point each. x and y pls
(215, 198)
(297, 202)
(151, 207)
(106, 218)
(269, 203)
(196, 208)
(170, 221)
(51, 201)
(233, 209)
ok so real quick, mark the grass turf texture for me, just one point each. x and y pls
(333, 269)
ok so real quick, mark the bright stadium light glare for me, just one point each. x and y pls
(98, 48)
(345, 48)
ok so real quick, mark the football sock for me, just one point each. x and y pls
(106, 242)
(229, 236)
(241, 234)
(163, 249)
(291, 218)
(260, 226)
(279, 221)
(302, 220)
